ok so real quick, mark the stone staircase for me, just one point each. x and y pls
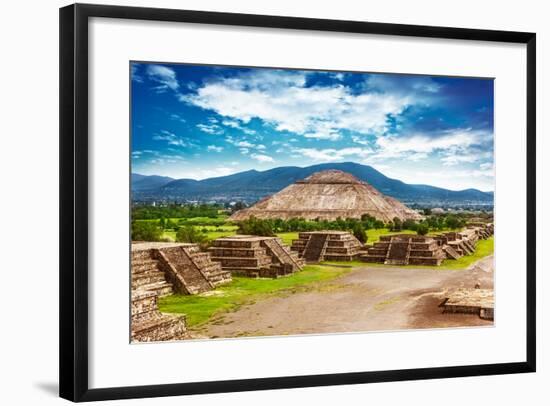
(285, 260)
(166, 268)
(192, 270)
(147, 274)
(398, 252)
(212, 270)
(315, 247)
(451, 252)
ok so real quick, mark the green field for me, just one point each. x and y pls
(219, 227)
(242, 290)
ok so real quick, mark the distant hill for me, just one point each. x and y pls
(253, 185)
(153, 182)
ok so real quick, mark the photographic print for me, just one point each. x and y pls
(276, 201)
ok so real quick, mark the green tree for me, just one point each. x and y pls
(146, 231)
(409, 225)
(191, 235)
(453, 222)
(422, 229)
(255, 226)
(397, 224)
(359, 233)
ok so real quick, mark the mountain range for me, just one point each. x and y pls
(252, 185)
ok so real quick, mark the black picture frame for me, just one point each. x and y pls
(73, 254)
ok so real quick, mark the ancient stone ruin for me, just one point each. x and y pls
(458, 244)
(255, 256)
(148, 324)
(160, 269)
(471, 301)
(327, 195)
(174, 267)
(405, 249)
(317, 246)
(411, 249)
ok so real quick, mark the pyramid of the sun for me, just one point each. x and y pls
(327, 195)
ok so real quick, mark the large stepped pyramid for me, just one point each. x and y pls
(255, 256)
(316, 246)
(148, 324)
(328, 195)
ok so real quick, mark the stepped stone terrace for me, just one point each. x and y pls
(409, 249)
(458, 244)
(160, 269)
(317, 246)
(405, 249)
(255, 256)
(149, 324)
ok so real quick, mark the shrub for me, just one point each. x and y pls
(146, 231)
(409, 225)
(359, 233)
(422, 229)
(255, 226)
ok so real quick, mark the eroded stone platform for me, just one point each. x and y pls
(472, 301)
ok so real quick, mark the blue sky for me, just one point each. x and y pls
(191, 121)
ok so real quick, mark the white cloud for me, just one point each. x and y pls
(486, 166)
(331, 154)
(177, 117)
(261, 157)
(451, 160)
(214, 148)
(165, 77)
(235, 124)
(170, 138)
(359, 140)
(244, 144)
(207, 173)
(280, 99)
(136, 77)
(212, 129)
(456, 146)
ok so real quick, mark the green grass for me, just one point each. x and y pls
(483, 249)
(201, 308)
(374, 235)
(288, 237)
